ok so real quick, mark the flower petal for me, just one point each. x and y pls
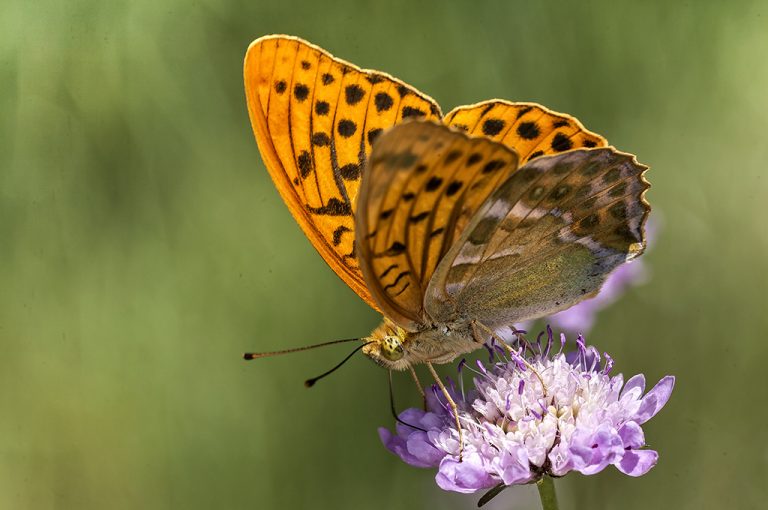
(466, 476)
(515, 468)
(636, 381)
(655, 399)
(632, 435)
(561, 460)
(414, 449)
(637, 462)
(423, 451)
(594, 452)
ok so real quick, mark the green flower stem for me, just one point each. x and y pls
(546, 488)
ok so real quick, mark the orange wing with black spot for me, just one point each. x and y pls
(418, 180)
(315, 118)
(530, 129)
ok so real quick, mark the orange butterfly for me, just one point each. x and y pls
(452, 226)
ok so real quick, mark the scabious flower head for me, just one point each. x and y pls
(517, 430)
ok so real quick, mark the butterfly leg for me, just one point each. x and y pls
(419, 386)
(452, 405)
(509, 349)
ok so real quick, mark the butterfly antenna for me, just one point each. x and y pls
(256, 355)
(392, 406)
(311, 382)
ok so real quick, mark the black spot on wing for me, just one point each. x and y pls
(433, 183)
(383, 101)
(474, 158)
(523, 111)
(492, 127)
(334, 207)
(453, 188)
(322, 107)
(493, 165)
(346, 128)
(304, 163)
(561, 143)
(452, 156)
(353, 94)
(410, 111)
(397, 248)
(350, 172)
(320, 139)
(528, 130)
(300, 92)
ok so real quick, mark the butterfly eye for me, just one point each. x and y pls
(392, 348)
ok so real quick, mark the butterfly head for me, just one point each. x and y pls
(392, 348)
(386, 346)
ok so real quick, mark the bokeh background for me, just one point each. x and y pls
(143, 248)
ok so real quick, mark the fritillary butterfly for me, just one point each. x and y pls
(451, 225)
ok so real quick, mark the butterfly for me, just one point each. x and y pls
(452, 226)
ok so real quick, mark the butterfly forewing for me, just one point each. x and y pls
(544, 240)
(315, 118)
(417, 180)
(528, 128)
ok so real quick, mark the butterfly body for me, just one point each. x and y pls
(397, 349)
(493, 214)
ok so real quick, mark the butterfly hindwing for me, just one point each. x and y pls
(417, 180)
(546, 239)
(315, 118)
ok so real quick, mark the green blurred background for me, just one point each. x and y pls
(143, 248)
